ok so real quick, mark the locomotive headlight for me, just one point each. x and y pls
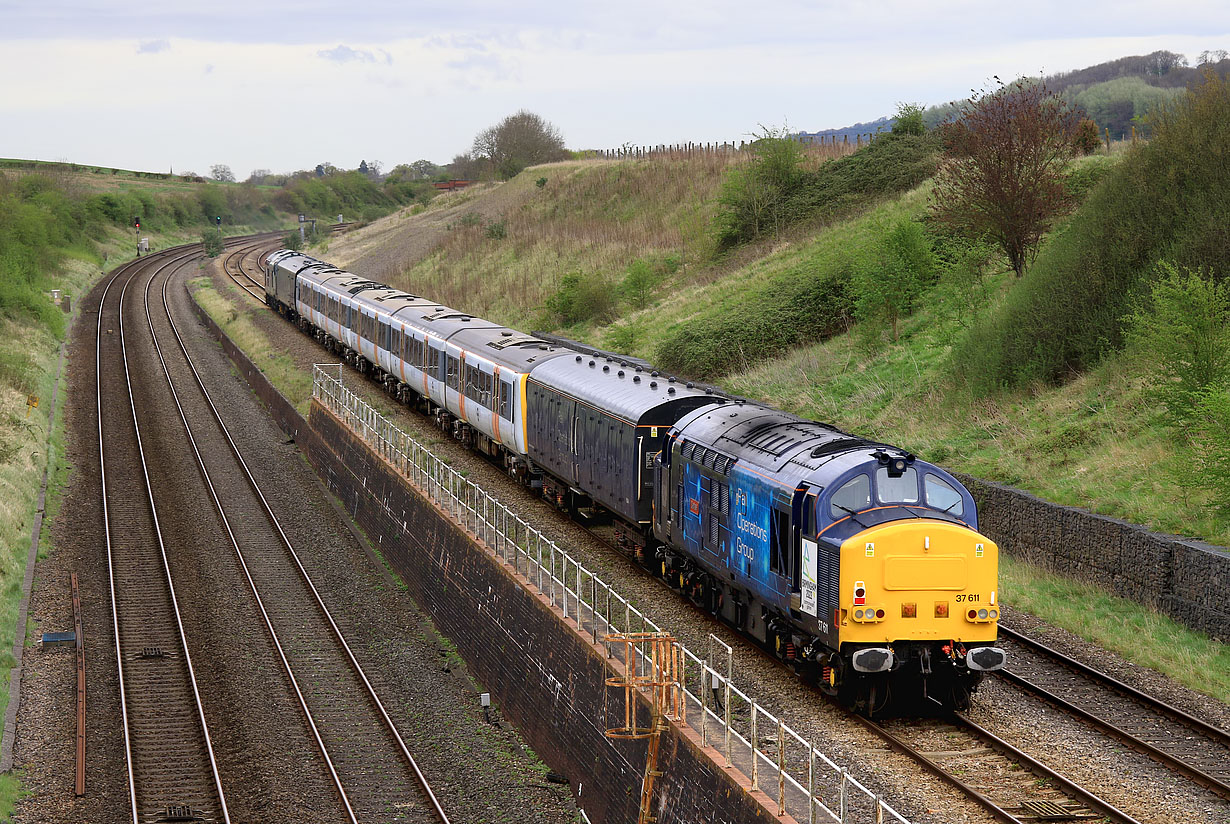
(879, 613)
(909, 610)
(982, 615)
(858, 615)
(994, 614)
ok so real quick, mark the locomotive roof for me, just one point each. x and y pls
(618, 387)
(776, 442)
(289, 259)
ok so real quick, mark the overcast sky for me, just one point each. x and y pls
(282, 85)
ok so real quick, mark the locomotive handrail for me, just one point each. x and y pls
(563, 579)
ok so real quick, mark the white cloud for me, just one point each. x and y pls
(345, 54)
(153, 46)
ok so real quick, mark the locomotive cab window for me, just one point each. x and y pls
(942, 496)
(779, 543)
(902, 490)
(854, 496)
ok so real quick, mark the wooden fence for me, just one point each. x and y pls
(825, 146)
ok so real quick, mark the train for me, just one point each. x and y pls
(854, 562)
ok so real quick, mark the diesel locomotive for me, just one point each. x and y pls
(853, 561)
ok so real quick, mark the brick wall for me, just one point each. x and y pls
(1185, 579)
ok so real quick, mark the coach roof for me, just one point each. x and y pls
(618, 387)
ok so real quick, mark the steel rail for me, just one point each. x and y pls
(230, 533)
(1156, 705)
(134, 271)
(344, 645)
(1095, 802)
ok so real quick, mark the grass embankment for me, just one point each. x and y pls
(239, 324)
(1140, 635)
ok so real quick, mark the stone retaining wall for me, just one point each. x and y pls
(1185, 579)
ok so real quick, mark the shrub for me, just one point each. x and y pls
(497, 230)
(909, 119)
(755, 197)
(211, 240)
(1182, 329)
(797, 308)
(889, 281)
(1086, 140)
(580, 297)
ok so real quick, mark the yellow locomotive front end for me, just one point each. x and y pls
(918, 601)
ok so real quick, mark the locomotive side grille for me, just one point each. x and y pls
(725, 502)
(713, 532)
(828, 568)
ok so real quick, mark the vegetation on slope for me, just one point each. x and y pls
(1165, 202)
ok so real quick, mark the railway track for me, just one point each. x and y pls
(172, 770)
(372, 770)
(1005, 781)
(1189, 745)
(232, 264)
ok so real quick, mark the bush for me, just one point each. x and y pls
(798, 308)
(909, 119)
(755, 198)
(581, 297)
(211, 240)
(1165, 200)
(774, 191)
(890, 280)
(497, 230)
(1087, 141)
(1182, 329)
(644, 275)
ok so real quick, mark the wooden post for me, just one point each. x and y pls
(1108, 139)
(80, 788)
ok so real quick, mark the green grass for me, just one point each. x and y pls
(239, 326)
(1137, 633)
(12, 790)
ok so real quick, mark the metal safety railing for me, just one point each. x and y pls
(780, 762)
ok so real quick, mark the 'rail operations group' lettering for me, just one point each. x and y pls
(752, 530)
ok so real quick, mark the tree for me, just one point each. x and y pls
(363, 167)
(900, 268)
(1002, 174)
(425, 169)
(519, 140)
(222, 172)
(258, 176)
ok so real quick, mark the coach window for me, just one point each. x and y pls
(942, 496)
(854, 496)
(506, 396)
(902, 489)
(452, 372)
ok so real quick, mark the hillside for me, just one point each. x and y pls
(1117, 94)
(622, 255)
